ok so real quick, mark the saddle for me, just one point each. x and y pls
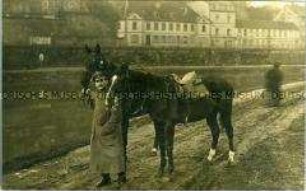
(190, 84)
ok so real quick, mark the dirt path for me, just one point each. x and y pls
(269, 144)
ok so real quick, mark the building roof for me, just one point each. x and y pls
(262, 13)
(163, 11)
(299, 10)
(260, 24)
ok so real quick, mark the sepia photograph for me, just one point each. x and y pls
(153, 95)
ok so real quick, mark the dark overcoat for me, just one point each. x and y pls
(106, 146)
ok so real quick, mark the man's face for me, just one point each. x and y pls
(101, 82)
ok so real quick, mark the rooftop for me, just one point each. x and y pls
(163, 11)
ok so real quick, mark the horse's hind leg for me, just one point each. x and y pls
(227, 123)
(215, 131)
(226, 120)
(155, 144)
(125, 126)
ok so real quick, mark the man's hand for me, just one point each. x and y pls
(85, 91)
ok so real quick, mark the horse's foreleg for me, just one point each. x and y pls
(161, 139)
(170, 143)
(215, 131)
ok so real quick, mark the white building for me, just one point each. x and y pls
(202, 24)
(168, 24)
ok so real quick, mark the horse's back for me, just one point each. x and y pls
(217, 84)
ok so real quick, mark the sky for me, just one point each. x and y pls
(279, 3)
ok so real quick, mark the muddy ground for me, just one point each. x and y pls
(269, 155)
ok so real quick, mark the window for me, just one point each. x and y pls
(217, 31)
(171, 27)
(156, 26)
(203, 28)
(185, 27)
(173, 39)
(134, 26)
(163, 39)
(185, 40)
(228, 32)
(119, 26)
(135, 39)
(228, 43)
(178, 27)
(155, 39)
(163, 26)
(228, 18)
(192, 27)
(148, 26)
(217, 17)
(178, 39)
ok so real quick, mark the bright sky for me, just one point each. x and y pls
(279, 3)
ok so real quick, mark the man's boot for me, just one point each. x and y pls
(121, 178)
(105, 180)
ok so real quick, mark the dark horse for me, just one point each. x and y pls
(144, 93)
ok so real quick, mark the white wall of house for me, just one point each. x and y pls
(220, 31)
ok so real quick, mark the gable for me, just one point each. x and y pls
(134, 16)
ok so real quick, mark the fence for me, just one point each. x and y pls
(27, 57)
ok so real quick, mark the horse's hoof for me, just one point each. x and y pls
(231, 155)
(170, 171)
(166, 179)
(212, 153)
(160, 173)
(154, 152)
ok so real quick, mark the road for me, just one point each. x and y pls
(269, 154)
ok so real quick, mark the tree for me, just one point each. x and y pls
(106, 13)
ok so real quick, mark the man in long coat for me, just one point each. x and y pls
(106, 148)
(274, 78)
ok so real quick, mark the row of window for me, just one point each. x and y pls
(228, 43)
(214, 6)
(267, 43)
(177, 27)
(156, 39)
(217, 18)
(266, 32)
(184, 27)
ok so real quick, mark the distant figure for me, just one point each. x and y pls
(41, 59)
(273, 82)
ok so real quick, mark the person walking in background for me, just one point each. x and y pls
(273, 82)
(106, 146)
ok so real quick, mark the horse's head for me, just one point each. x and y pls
(98, 62)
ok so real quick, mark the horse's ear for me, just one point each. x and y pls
(98, 49)
(87, 49)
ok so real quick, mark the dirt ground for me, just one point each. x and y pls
(269, 155)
